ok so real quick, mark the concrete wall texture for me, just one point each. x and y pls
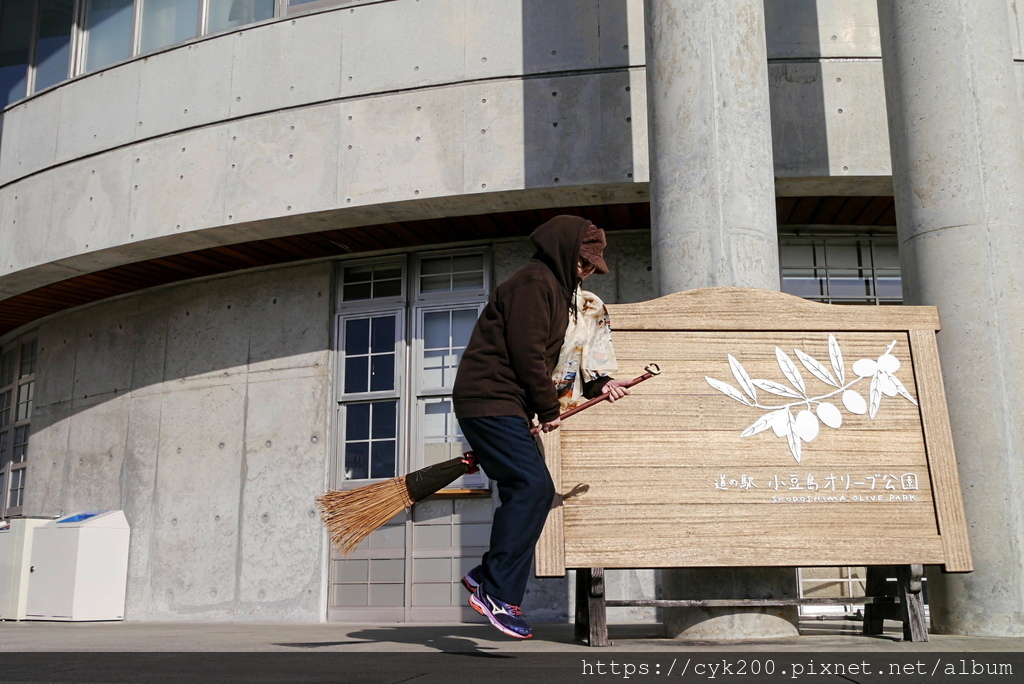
(204, 409)
(390, 110)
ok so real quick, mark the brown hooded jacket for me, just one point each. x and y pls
(507, 366)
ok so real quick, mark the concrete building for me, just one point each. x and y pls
(242, 243)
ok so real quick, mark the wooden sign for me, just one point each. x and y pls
(781, 432)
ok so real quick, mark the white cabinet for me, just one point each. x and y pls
(15, 558)
(79, 568)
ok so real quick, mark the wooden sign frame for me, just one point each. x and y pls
(631, 526)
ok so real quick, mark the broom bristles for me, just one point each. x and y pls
(350, 516)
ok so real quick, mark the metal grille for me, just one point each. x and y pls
(841, 269)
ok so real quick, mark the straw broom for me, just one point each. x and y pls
(351, 515)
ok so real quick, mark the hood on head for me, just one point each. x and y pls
(558, 245)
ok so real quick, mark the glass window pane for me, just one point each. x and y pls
(382, 372)
(441, 283)
(383, 339)
(357, 461)
(469, 262)
(467, 281)
(441, 436)
(806, 287)
(166, 22)
(356, 291)
(5, 408)
(28, 358)
(463, 323)
(20, 444)
(433, 363)
(358, 274)
(5, 448)
(17, 488)
(385, 422)
(451, 367)
(439, 266)
(227, 14)
(796, 255)
(357, 422)
(387, 272)
(890, 287)
(7, 368)
(841, 255)
(848, 285)
(109, 26)
(436, 330)
(382, 459)
(357, 336)
(15, 35)
(53, 45)
(435, 418)
(357, 374)
(25, 395)
(387, 288)
(887, 255)
(373, 281)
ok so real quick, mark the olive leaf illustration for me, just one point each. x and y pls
(816, 368)
(790, 371)
(835, 354)
(805, 425)
(740, 373)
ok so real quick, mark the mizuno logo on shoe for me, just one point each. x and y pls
(496, 608)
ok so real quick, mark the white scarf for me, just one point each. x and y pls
(587, 346)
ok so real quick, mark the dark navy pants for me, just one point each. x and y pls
(510, 456)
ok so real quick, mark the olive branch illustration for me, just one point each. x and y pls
(804, 427)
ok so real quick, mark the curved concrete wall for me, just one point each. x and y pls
(202, 411)
(386, 111)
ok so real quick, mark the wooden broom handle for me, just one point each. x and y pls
(651, 369)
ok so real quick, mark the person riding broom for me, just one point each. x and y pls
(505, 379)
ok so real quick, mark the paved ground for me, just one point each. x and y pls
(263, 637)
(829, 651)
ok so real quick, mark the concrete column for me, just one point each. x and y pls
(713, 223)
(957, 147)
(712, 178)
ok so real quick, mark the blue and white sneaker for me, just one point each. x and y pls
(507, 618)
(472, 579)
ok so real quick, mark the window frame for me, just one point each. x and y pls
(419, 394)
(419, 298)
(344, 400)
(409, 308)
(823, 272)
(8, 469)
(79, 48)
(422, 303)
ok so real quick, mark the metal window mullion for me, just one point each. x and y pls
(874, 271)
(73, 38)
(408, 428)
(364, 397)
(137, 27)
(78, 39)
(204, 15)
(33, 39)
